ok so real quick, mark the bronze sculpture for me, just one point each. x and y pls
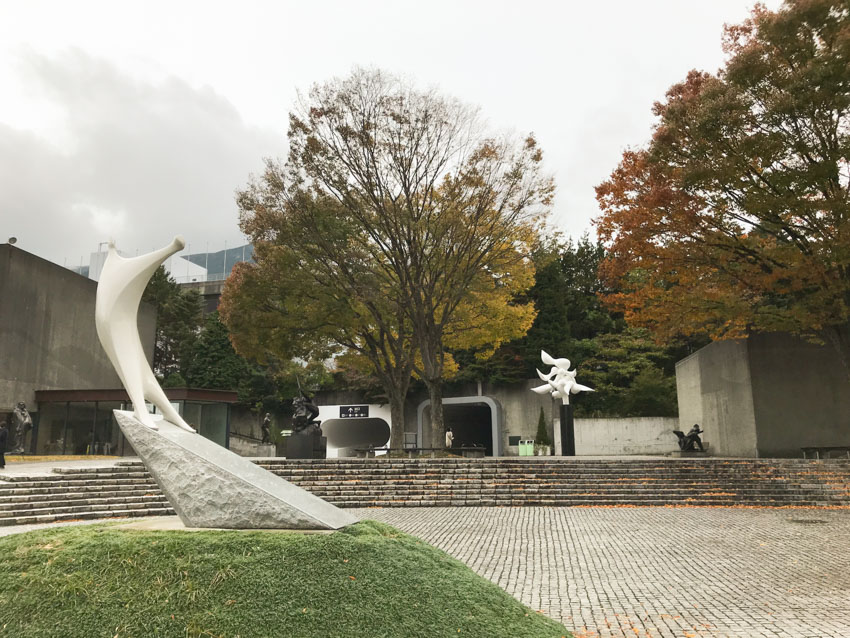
(304, 415)
(23, 422)
(689, 442)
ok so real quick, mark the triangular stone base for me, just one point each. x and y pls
(210, 486)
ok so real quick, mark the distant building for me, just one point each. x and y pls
(205, 272)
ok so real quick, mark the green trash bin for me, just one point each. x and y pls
(526, 447)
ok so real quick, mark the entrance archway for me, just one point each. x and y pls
(473, 429)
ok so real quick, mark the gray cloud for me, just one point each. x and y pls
(141, 162)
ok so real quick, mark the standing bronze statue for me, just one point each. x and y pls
(22, 422)
(266, 428)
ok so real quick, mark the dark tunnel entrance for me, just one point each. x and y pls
(471, 424)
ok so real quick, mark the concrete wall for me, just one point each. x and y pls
(801, 395)
(714, 390)
(47, 333)
(630, 435)
(767, 396)
(245, 423)
(250, 447)
(518, 413)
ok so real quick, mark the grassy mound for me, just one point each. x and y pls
(369, 580)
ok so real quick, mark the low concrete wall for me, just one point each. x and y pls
(250, 447)
(768, 396)
(244, 422)
(629, 435)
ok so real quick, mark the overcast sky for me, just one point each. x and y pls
(138, 120)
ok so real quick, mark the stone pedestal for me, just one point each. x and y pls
(308, 444)
(210, 486)
(691, 453)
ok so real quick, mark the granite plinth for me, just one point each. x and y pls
(306, 445)
(209, 486)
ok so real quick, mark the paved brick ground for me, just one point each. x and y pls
(637, 572)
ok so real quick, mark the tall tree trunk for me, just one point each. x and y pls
(839, 337)
(397, 417)
(438, 429)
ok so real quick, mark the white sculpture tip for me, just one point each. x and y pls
(179, 242)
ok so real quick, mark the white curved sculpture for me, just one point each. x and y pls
(119, 293)
(561, 381)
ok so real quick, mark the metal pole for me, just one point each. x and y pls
(568, 432)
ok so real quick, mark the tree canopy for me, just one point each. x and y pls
(212, 362)
(178, 319)
(633, 375)
(736, 216)
(405, 218)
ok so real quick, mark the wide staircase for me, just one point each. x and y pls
(81, 493)
(570, 482)
(128, 490)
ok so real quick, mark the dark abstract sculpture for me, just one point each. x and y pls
(304, 415)
(689, 442)
(306, 440)
(23, 422)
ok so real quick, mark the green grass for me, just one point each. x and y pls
(367, 581)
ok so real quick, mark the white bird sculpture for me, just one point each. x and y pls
(561, 381)
(119, 293)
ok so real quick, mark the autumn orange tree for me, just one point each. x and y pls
(315, 294)
(408, 221)
(736, 216)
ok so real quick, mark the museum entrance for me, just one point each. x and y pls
(471, 425)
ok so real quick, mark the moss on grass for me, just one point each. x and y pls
(369, 580)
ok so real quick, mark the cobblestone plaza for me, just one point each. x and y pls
(661, 572)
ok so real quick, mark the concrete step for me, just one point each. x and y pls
(123, 509)
(61, 475)
(77, 489)
(10, 503)
(576, 502)
(115, 513)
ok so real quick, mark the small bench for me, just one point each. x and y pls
(825, 450)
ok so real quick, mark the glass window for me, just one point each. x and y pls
(213, 422)
(78, 436)
(51, 425)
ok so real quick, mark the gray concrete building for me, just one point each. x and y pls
(48, 339)
(766, 396)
